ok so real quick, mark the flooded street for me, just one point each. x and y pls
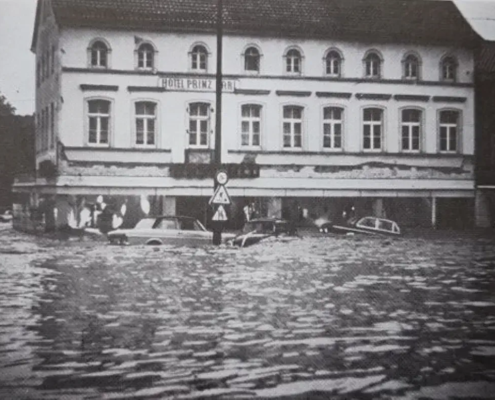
(312, 318)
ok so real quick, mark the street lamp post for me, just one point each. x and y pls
(217, 153)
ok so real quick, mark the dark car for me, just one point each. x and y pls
(367, 225)
(261, 228)
(175, 230)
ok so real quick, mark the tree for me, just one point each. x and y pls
(5, 107)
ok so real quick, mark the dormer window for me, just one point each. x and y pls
(449, 69)
(146, 56)
(98, 54)
(372, 65)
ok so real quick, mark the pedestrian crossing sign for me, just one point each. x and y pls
(220, 196)
(220, 215)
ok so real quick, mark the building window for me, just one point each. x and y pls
(145, 123)
(199, 124)
(372, 65)
(38, 73)
(411, 130)
(332, 127)
(99, 55)
(53, 59)
(333, 62)
(449, 69)
(411, 67)
(52, 125)
(293, 61)
(292, 126)
(199, 57)
(372, 128)
(449, 131)
(252, 59)
(43, 68)
(250, 125)
(99, 122)
(146, 56)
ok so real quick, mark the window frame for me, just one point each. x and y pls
(455, 65)
(458, 134)
(198, 120)
(366, 59)
(405, 63)
(421, 129)
(191, 60)
(244, 59)
(138, 52)
(87, 123)
(382, 130)
(326, 60)
(286, 58)
(332, 130)
(292, 122)
(91, 46)
(156, 118)
(251, 120)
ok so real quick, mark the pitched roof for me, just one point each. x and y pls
(399, 21)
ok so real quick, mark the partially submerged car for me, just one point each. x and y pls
(176, 230)
(367, 225)
(261, 228)
(6, 216)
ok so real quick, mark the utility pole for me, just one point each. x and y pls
(217, 153)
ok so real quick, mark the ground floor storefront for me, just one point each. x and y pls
(55, 211)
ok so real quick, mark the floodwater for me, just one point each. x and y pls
(311, 318)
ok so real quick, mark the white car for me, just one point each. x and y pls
(177, 230)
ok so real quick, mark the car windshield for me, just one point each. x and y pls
(258, 226)
(190, 224)
(146, 223)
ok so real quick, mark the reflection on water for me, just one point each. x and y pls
(316, 317)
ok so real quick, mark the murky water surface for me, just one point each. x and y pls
(311, 318)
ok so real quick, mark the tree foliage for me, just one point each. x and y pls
(5, 107)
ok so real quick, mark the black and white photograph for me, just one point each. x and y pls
(247, 199)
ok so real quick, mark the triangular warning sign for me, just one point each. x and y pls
(220, 215)
(220, 196)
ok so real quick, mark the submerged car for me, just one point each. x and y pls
(6, 216)
(176, 230)
(367, 225)
(261, 228)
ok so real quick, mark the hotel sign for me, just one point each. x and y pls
(194, 84)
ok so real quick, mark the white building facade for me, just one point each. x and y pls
(379, 123)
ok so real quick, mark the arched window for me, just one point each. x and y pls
(199, 58)
(372, 128)
(449, 126)
(146, 56)
(411, 130)
(449, 69)
(199, 124)
(252, 59)
(145, 113)
(99, 55)
(333, 63)
(293, 61)
(411, 67)
(250, 125)
(372, 65)
(98, 122)
(292, 123)
(332, 127)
